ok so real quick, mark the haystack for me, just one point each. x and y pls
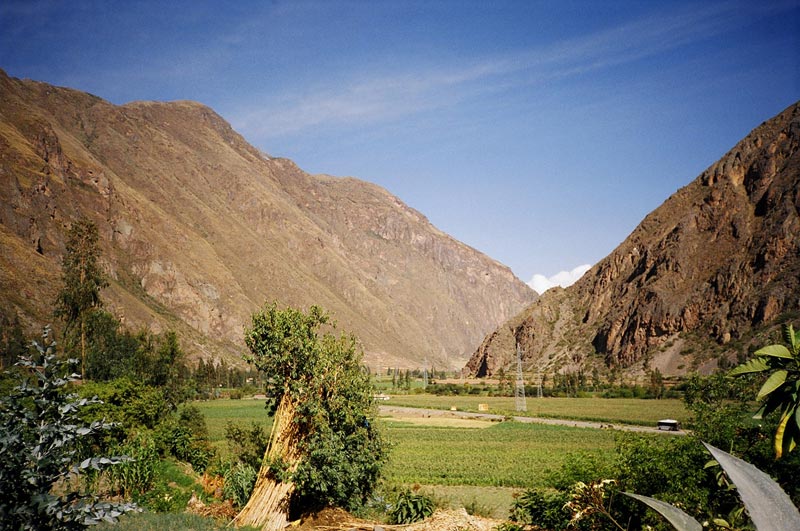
(268, 506)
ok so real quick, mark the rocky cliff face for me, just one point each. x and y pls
(199, 229)
(716, 264)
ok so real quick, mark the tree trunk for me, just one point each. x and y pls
(268, 506)
(83, 348)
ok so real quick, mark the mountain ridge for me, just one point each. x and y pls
(717, 263)
(199, 228)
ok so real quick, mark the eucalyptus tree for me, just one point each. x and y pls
(82, 281)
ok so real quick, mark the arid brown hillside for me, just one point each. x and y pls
(717, 264)
(199, 229)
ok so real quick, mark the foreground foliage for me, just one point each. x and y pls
(410, 507)
(42, 460)
(781, 390)
(767, 504)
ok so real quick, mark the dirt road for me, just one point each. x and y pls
(415, 411)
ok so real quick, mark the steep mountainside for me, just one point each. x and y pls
(198, 229)
(715, 265)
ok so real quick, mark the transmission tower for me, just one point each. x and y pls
(538, 384)
(519, 390)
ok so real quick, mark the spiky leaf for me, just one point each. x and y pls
(769, 507)
(679, 519)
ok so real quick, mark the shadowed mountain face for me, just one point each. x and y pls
(706, 274)
(198, 229)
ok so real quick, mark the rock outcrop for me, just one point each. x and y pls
(199, 229)
(717, 264)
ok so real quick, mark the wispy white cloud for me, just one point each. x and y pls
(541, 283)
(383, 97)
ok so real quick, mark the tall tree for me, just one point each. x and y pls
(83, 279)
(325, 448)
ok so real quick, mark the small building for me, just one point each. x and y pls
(669, 425)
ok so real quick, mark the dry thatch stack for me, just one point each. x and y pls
(268, 506)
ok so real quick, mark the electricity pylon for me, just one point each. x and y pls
(519, 390)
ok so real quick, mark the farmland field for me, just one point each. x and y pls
(243, 412)
(506, 454)
(443, 452)
(614, 410)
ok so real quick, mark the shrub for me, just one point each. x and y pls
(135, 477)
(178, 440)
(41, 435)
(541, 508)
(671, 469)
(239, 482)
(410, 507)
(247, 446)
(580, 467)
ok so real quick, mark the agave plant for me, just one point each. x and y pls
(781, 391)
(769, 507)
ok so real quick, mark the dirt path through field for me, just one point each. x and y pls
(415, 411)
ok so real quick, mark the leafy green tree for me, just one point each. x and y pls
(342, 450)
(781, 391)
(111, 352)
(83, 279)
(42, 450)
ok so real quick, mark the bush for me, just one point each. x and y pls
(541, 508)
(177, 439)
(247, 446)
(580, 467)
(135, 477)
(670, 469)
(129, 403)
(41, 441)
(239, 482)
(410, 507)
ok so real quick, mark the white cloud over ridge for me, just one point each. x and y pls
(541, 283)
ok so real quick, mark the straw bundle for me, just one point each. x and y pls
(268, 506)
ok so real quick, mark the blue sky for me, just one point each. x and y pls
(540, 133)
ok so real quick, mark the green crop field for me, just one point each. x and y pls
(614, 410)
(477, 453)
(506, 454)
(243, 412)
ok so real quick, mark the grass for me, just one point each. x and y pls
(147, 521)
(489, 502)
(613, 410)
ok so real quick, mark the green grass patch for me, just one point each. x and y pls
(614, 410)
(147, 521)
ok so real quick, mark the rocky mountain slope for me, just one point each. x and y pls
(199, 229)
(713, 268)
